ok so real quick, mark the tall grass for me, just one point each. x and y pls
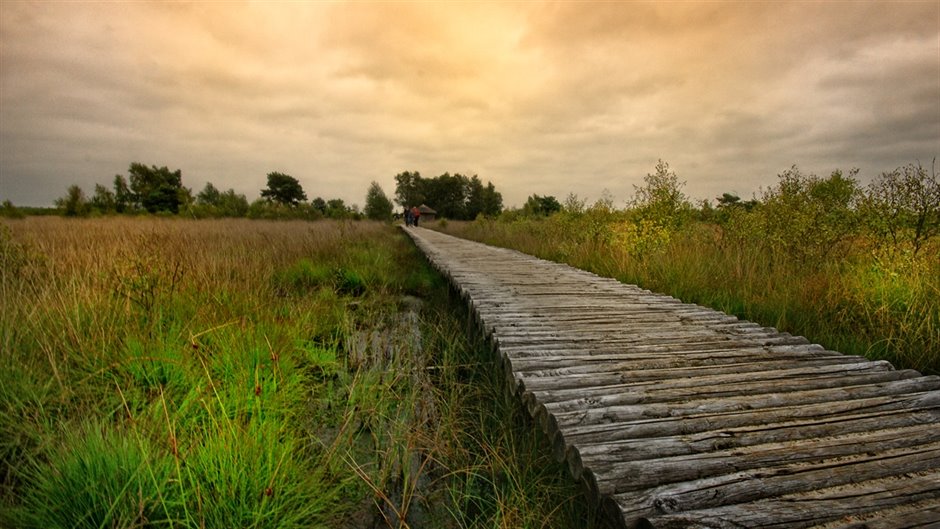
(235, 373)
(863, 300)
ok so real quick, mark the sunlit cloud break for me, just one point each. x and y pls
(538, 98)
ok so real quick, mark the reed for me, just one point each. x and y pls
(236, 373)
(864, 299)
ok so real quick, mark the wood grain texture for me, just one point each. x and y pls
(676, 415)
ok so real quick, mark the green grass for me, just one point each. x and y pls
(169, 373)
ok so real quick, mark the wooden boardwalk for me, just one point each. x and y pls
(675, 415)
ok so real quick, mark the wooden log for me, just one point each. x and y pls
(810, 508)
(753, 356)
(536, 352)
(668, 335)
(714, 355)
(602, 433)
(768, 482)
(599, 411)
(714, 440)
(617, 477)
(851, 364)
(637, 330)
(920, 515)
(675, 340)
(721, 386)
(612, 317)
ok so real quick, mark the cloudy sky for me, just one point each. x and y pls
(547, 98)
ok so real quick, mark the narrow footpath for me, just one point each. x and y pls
(676, 415)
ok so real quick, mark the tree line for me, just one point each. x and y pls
(159, 190)
(456, 196)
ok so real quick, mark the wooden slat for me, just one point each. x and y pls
(675, 415)
(808, 509)
(714, 440)
(765, 482)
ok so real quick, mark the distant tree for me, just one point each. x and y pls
(9, 211)
(74, 203)
(186, 198)
(156, 188)
(660, 199)
(452, 196)
(574, 204)
(475, 191)
(492, 201)
(232, 204)
(209, 196)
(336, 209)
(541, 206)
(378, 205)
(210, 202)
(482, 200)
(730, 205)
(103, 200)
(903, 206)
(727, 200)
(806, 217)
(123, 197)
(319, 205)
(284, 189)
(447, 194)
(410, 189)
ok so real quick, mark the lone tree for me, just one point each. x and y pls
(284, 189)
(156, 188)
(903, 206)
(74, 203)
(378, 205)
(538, 206)
(660, 199)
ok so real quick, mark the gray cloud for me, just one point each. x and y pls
(539, 98)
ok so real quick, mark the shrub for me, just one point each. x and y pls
(806, 217)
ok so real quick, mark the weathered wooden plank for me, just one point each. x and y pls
(751, 356)
(600, 433)
(617, 477)
(780, 479)
(601, 412)
(614, 315)
(674, 339)
(530, 383)
(726, 386)
(523, 350)
(810, 508)
(921, 515)
(726, 439)
(703, 356)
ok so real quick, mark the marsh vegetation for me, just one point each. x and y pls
(236, 373)
(854, 268)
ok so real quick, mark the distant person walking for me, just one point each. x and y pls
(415, 215)
(408, 219)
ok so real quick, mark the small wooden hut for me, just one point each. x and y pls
(427, 214)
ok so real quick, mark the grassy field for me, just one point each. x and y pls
(857, 297)
(235, 373)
